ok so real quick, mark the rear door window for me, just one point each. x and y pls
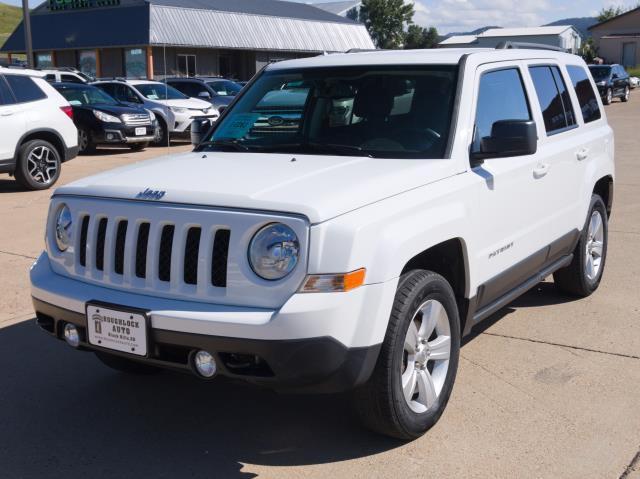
(6, 98)
(585, 93)
(24, 88)
(71, 78)
(554, 99)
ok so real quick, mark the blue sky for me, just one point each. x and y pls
(463, 15)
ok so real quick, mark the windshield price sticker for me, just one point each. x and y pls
(237, 126)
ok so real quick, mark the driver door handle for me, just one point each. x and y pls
(541, 170)
(7, 112)
(583, 154)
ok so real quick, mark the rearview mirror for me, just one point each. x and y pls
(508, 138)
(199, 128)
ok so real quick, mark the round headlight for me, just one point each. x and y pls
(64, 226)
(273, 252)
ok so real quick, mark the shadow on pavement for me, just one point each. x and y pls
(64, 414)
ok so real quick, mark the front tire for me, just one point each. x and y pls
(85, 145)
(138, 146)
(582, 277)
(124, 365)
(39, 165)
(608, 97)
(625, 96)
(413, 378)
(162, 135)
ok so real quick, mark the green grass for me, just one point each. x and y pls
(634, 72)
(10, 17)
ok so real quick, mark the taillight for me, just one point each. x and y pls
(68, 111)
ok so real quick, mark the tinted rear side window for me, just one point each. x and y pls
(5, 95)
(24, 88)
(501, 97)
(555, 102)
(586, 96)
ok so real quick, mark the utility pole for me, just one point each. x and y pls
(26, 14)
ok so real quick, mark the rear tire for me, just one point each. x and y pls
(582, 277)
(124, 365)
(38, 166)
(413, 378)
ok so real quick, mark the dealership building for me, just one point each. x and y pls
(158, 38)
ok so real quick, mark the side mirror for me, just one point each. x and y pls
(221, 109)
(508, 138)
(205, 95)
(200, 126)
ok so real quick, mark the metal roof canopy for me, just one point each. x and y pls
(240, 24)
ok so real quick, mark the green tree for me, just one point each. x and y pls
(609, 12)
(385, 20)
(417, 37)
(354, 14)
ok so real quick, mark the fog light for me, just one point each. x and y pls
(110, 136)
(71, 335)
(205, 364)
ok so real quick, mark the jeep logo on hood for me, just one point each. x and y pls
(149, 194)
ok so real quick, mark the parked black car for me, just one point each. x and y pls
(612, 81)
(101, 120)
(218, 91)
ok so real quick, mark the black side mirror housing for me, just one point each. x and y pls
(508, 138)
(200, 126)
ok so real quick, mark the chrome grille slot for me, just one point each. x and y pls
(219, 258)
(100, 242)
(136, 119)
(82, 250)
(121, 237)
(141, 250)
(164, 257)
(191, 253)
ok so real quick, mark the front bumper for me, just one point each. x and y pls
(313, 343)
(183, 121)
(123, 135)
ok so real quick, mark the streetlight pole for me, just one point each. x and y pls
(27, 32)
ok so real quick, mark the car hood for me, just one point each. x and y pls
(114, 109)
(318, 187)
(192, 103)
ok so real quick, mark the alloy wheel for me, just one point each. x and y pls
(609, 96)
(595, 246)
(42, 165)
(425, 361)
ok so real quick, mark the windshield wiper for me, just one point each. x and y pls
(226, 143)
(348, 150)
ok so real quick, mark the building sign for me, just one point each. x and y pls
(78, 4)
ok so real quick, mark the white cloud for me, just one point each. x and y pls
(464, 15)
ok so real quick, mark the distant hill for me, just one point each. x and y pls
(10, 17)
(581, 24)
(477, 31)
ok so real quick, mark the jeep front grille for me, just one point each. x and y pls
(136, 119)
(177, 250)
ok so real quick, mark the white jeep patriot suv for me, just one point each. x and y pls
(343, 225)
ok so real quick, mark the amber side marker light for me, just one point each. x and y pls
(334, 283)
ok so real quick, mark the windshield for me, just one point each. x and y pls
(392, 112)
(600, 73)
(86, 95)
(159, 91)
(224, 87)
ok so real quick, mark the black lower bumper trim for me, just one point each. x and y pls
(313, 365)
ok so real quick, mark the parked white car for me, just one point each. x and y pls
(37, 130)
(303, 253)
(66, 75)
(174, 110)
(634, 82)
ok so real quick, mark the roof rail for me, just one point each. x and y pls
(362, 50)
(507, 45)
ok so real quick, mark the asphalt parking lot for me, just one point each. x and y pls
(549, 389)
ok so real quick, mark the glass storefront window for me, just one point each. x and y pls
(44, 60)
(87, 61)
(135, 63)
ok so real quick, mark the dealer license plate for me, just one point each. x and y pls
(118, 330)
(141, 131)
